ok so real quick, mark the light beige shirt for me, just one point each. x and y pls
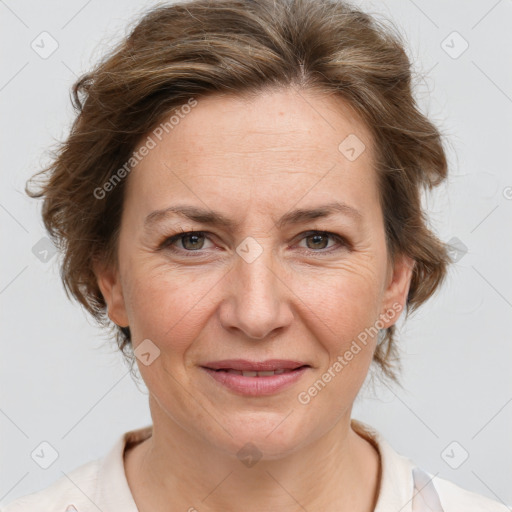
(101, 485)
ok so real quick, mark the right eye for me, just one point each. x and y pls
(190, 241)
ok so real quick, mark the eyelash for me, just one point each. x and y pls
(167, 243)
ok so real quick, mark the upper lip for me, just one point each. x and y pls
(245, 365)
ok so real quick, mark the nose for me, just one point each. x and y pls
(256, 298)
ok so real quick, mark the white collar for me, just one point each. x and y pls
(396, 481)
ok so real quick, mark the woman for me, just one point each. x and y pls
(240, 197)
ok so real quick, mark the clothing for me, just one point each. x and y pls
(102, 485)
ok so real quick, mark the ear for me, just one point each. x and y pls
(398, 283)
(109, 282)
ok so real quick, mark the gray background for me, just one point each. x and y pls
(62, 382)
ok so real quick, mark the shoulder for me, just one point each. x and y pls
(71, 490)
(97, 485)
(406, 487)
(454, 499)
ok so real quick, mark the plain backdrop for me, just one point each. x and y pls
(62, 382)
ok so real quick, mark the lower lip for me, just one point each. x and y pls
(257, 386)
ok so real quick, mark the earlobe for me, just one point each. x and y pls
(110, 285)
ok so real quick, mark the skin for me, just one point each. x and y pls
(254, 160)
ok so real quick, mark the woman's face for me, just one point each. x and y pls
(267, 284)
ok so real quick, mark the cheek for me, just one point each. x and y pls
(344, 299)
(342, 317)
(341, 307)
(166, 305)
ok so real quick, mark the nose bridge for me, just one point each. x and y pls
(256, 269)
(258, 300)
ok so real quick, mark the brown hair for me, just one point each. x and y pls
(201, 47)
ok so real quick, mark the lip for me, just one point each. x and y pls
(258, 385)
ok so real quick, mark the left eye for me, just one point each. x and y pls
(319, 239)
(193, 241)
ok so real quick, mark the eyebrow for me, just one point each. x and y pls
(212, 218)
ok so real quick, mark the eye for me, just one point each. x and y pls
(317, 241)
(191, 243)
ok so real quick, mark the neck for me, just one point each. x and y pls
(339, 471)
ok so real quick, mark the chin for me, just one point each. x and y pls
(265, 435)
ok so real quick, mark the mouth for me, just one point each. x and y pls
(255, 368)
(254, 378)
(250, 373)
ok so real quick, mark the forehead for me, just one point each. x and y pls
(239, 149)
